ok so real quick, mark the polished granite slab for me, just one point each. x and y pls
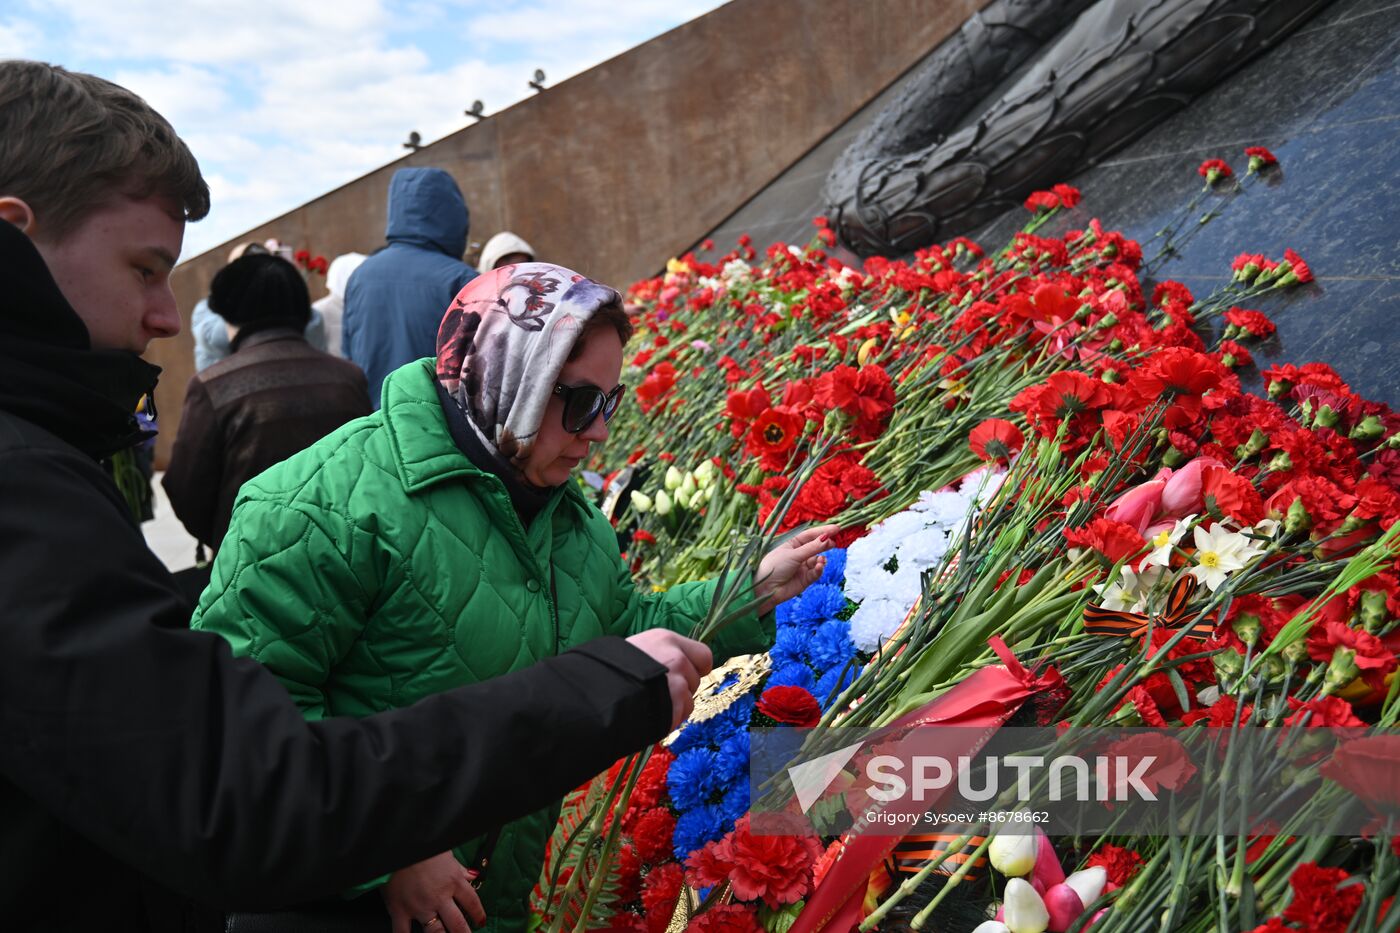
(1326, 101)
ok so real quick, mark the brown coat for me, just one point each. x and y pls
(276, 395)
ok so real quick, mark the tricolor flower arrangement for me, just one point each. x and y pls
(1188, 554)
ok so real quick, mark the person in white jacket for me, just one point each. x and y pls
(503, 249)
(332, 307)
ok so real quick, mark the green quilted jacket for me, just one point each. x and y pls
(380, 566)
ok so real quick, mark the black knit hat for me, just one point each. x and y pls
(259, 291)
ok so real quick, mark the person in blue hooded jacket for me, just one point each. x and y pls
(394, 301)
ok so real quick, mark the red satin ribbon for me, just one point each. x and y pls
(984, 700)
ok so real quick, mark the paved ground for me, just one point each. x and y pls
(166, 536)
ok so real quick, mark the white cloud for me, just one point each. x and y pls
(283, 102)
(20, 39)
(186, 95)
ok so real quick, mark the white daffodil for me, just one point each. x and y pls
(1219, 553)
(1129, 592)
(1163, 542)
(1267, 527)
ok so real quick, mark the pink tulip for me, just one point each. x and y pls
(1182, 494)
(1064, 907)
(1047, 865)
(1139, 505)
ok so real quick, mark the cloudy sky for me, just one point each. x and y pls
(283, 101)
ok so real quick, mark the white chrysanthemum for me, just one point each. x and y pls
(875, 621)
(923, 549)
(943, 508)
(736, 272)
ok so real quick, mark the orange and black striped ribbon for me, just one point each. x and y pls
(1117, 622)
(914, 852)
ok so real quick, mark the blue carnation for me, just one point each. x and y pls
(691, 779)
(695, 735)
(697, 827)
(732, 760)
(735, 803)
(834, 681)
(790, 647)
(783, 614)
(831, 646)
(835, 572)
(817, 604)
(734, 719)
(792, 675)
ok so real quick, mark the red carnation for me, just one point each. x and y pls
(1069, 196)
(302, 256)
(1259, 158)
(1322, 713)
(1250, 323)
(1114, 540)
(727, 918)
(1212, 170)
(1367, 767)
(656, 386)
(651, 783)
(1063, 396)
(660, 891)
(1119, 863)
(1042, 201)
(1319, 902)
(652, 835)
(1301, 271)
(794, 706)
(1229, 495)
(1326, 637)
(1220, 714)
(776, 869)
(996, 440)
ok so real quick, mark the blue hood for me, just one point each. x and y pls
(427, 209)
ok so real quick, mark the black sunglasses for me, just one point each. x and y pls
(583, 403)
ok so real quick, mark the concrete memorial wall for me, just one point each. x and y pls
(615, 169)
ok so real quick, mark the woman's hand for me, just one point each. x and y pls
(436, 892)
(793, 566)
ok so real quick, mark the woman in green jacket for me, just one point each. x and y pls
(441, 541)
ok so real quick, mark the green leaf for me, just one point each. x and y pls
(779, 921)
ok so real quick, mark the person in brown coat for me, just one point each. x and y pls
(272, 397)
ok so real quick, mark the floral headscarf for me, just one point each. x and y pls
(503, 341)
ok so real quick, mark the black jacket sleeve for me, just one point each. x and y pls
(197, 768)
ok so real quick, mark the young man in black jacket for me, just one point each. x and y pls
(132, 749)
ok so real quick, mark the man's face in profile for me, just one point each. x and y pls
(114, 269)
